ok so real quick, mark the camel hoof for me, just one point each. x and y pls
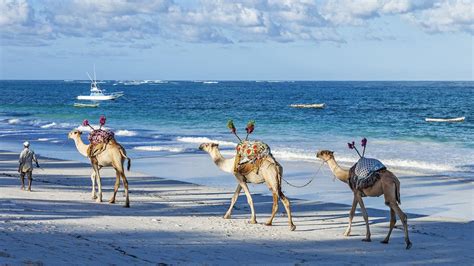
(384, 241)
(268, 223)
(366, 240)
(347, 233)
(408, 245)
(252, 221)
(227, 216)
(112, 201)
(292, 227)
(98, 200)
(94, 197)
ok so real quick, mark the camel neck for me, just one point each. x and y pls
(224, 164)
(339, 172)
(81, 147)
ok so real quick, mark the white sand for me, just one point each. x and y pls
(181, 223)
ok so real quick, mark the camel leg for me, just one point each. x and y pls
(116, 186)
(99, 182)
(351, 216)
(366, 218)
(253, 218)
(286, 203)
(274, 208)
(232, 201)
(393, 220)
(125, 185)
(93, 185)
(403, 218)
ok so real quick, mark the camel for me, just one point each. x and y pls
(388, 185)
(114, 155)
(270, 172)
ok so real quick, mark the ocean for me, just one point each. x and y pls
(162, 117)
(162, 122)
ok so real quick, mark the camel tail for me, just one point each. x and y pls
(280, 175)
(129, 161)
(397, 192)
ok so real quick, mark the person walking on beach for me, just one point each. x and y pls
(27, 157)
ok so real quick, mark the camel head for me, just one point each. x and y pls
(325, 155)
(208, 147)
(75, 133)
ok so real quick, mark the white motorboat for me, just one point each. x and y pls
(457, 119)
(97, 94)
(315, 105)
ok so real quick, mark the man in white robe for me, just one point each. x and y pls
(27, 156)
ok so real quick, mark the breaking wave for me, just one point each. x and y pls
(49, 125)
(159, 148)
(204, 139)
(126, 133)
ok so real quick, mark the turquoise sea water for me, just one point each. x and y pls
(157, 118)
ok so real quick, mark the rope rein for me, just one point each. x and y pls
(309, 182)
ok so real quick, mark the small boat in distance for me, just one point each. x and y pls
(86, 105)
(457, 119)
(314, 105)
(97, 94)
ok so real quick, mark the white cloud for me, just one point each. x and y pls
(14, 12)
(449, 16)
(140, 23)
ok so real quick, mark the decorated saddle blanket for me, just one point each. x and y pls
(250, 156)
(99, 139)
(250, 151)
(365, 173)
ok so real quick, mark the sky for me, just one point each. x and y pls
(237, 40)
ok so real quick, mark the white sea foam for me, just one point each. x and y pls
(49, 125)
(14, 121)
(88, 129)
(393, 163)
(126, 133)
(159, 148)
(204, 140)
(43, 139)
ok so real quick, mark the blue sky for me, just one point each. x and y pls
(237, 40)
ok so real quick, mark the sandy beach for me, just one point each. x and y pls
(175, 222)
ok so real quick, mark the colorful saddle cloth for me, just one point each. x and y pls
(250, 151)
(365, 173)
(99, 139)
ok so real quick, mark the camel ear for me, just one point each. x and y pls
(214, 145)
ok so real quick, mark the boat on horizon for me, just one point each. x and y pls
(456, 119)
(98, 94)
(86, 105)
(314, 105)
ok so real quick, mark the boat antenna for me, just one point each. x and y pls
(89, 76)
(95, 79)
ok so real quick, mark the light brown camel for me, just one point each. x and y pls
(114, 155)
(270, 172)
(387, 185)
